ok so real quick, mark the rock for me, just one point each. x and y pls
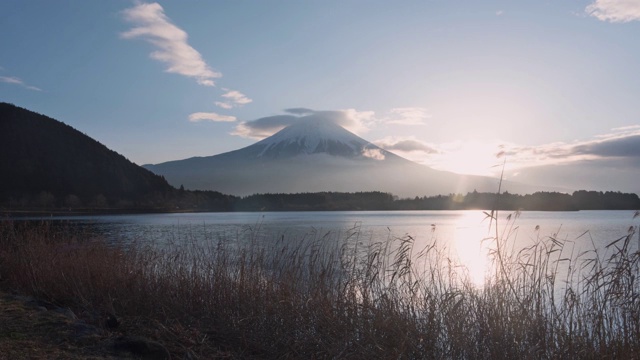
(139, 346)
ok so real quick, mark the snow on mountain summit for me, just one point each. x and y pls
(313, 136)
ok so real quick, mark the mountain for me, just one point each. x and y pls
(316, 155)
(46, 163)
(313, 136)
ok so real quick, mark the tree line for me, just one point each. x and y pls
(185, 200)
(542, 201)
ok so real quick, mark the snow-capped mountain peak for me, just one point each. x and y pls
(313, 136)
(315, 155)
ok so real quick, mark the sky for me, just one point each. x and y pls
(553, 87)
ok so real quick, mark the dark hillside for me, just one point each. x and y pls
(46, 163)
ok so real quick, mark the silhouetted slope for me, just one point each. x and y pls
(40, 155)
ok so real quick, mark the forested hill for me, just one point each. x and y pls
(44, 162)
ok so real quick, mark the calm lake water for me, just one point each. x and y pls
(448, 227)
(462, 232)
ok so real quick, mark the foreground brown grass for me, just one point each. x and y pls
(315, 299)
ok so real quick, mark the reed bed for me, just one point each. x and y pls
(350, 299)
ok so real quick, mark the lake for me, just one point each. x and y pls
(603, 226)
(461, 232)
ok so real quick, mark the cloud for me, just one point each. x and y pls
(299, 111)
(234, 99)
(17, 81)
(406, 145)
(415, 150)
(11, 80)
(376, 154)
(464, 157)
(172, 48)
(626, 128)
(202, 116)
(407, 116)
(617, 150)
(237, 97)
(264, 127)
(499, 12)
(606, 162)
(621, 146)
(224, 105)
(615, 10)
(351, 119)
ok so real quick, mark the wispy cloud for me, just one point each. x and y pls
(263, 127)
(233, 98)
(621, 144)
(406, 145)
(625, 128)
(152, 25)
(619, 148)
(606, 162)
(17, 81)
(615, 10)
(224, 105)
(499, 12)
(203, 116)
(351, 119)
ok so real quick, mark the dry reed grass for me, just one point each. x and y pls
(314, 299)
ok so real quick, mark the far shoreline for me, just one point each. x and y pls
(18, 214)
(4, 213)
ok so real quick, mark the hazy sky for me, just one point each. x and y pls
(444, 83)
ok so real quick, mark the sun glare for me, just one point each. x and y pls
(469, 158)
(471, 247)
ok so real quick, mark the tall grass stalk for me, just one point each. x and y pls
(350, 299)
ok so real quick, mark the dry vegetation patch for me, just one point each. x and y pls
(321, 298)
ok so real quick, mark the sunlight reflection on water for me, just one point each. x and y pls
(471, 243)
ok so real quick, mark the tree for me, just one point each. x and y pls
(72, 201)
(46, 200)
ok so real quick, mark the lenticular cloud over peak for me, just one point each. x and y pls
(351, 119)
